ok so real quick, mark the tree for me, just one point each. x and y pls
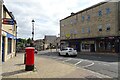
(29, 40)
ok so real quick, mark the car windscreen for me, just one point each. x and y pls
(64, 49)
(70, 49)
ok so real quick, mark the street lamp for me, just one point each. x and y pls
(33, 30)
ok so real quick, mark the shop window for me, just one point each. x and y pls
(9, 45)
(85, 46)
(108, 46)
(101, 45)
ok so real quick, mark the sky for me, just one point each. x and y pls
(46, 14)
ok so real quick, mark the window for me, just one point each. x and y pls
(85, 46)
(88, 30)
(100, 28)
(107, 10)
(108, 27)
(74, 21)
(9, 45)
(108, 46)
(99, 13)
(71, 21)
(82, 30)
(88, 17)
(83, 18)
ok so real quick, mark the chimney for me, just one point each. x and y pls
(72, 14)
(12, 15)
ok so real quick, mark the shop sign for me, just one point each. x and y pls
(8, 21)
(67, 35)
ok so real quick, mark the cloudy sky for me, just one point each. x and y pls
(46, 14)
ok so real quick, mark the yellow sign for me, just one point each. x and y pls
(67, 35)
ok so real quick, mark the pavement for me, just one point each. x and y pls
(45, 68)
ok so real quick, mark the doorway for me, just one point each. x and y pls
(92, 48)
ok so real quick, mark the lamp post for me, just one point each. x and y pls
(33, 30)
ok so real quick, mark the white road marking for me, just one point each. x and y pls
(68, 60)
(89, 65)
(77, 63)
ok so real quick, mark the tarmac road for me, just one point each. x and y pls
(103, 64)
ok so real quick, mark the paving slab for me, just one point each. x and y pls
(44, 68)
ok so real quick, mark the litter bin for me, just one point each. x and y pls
(29, 62)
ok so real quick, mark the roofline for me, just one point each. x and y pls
(9, 13)
(85, 9)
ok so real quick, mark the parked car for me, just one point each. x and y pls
(68, 52)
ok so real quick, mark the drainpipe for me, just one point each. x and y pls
(16, 43)
(1, 12)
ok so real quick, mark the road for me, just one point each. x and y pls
(103, 64)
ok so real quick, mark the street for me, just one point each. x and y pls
(103, 64)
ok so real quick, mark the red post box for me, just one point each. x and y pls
(29, 65)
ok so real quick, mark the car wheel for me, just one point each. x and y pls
(75, 55)
(67, 54)
(59, 54)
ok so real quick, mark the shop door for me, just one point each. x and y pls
(78, 47)
(92, 48)
(3, 48)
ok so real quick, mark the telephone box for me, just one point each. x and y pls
(29, 62)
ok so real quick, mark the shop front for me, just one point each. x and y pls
(88, 46)
(73, 43)
(106, 44)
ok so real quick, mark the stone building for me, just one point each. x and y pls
(39, 44)
(94, 29)
(49, 41)
(8, 35)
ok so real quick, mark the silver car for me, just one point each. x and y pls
(68, 52)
